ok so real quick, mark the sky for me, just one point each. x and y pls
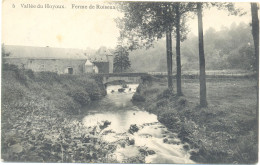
(81, 28)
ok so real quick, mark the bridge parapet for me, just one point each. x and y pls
(127, 77)
(139, 74)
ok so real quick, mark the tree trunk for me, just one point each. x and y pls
(169, 58)
(121, 66)
(203, 92)
(178, 52)
(255, 33)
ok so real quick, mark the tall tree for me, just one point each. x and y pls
(146, 21)
(255, 33)
(180, 10)
(121, 60)
(169, 56)
(228, 6)
(255, 28)
(203, 89)
(178, 49)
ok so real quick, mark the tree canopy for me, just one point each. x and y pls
(223, 50)
(121, 59)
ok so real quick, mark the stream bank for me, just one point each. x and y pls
(64, 118)
(38, 116)
(224, 132)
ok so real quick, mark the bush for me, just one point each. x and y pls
(147, 79)
(80, 96)
(162, 103)
(30, 73)
(93, 90)
(170, 120)
(166, 94)
(48, 77)
(68, 105)
(151, 91)
(12, 93)
(137, 97)
(182, 101)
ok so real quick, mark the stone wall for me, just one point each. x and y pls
(59, 66)
(103, 67)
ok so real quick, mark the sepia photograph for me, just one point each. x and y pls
(129, 82)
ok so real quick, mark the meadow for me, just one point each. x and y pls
(224, 132)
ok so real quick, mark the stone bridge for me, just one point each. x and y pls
(126, 77)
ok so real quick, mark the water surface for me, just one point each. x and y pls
(152, 137)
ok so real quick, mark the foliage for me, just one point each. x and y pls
(137, 97)
(4, 53)
(93, 90)
(224, 132)
(146, 79)
(165, 94)
(223, 49)
(80, 96)
(145, 22)
(47, 77)
(20, 74)
(36, 118)
(121, 59)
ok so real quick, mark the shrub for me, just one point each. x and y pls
(182, 101)
(30, 73)
(170, 120)
(80, 96)
(137, 97)
(151, 91)
(166, 94)
(141, 88)
(97, 78)
(21, 77)
(93, 90)
(12, 93)
(162, 103)
(69, 106)
(147, 79)
(48, 77)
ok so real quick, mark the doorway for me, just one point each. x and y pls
(70, 70)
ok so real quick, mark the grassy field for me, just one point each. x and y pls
(224, 132)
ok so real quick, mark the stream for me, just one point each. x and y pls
(147, 140)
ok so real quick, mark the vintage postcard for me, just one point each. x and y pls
(129, 82)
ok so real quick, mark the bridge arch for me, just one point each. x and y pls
(123, 77)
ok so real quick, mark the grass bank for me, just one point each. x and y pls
(37, 117)
(224, 132)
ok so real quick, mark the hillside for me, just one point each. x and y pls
(38, 115)
(229, 48)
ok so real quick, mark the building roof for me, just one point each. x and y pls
(104, 51)
(44, 52)
(100, 55)
(88, 63)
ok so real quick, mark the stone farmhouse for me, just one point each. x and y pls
(59, 60)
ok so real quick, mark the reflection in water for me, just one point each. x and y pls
(121, 120)
(117, 108)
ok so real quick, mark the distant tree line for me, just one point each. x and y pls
(229, 48)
